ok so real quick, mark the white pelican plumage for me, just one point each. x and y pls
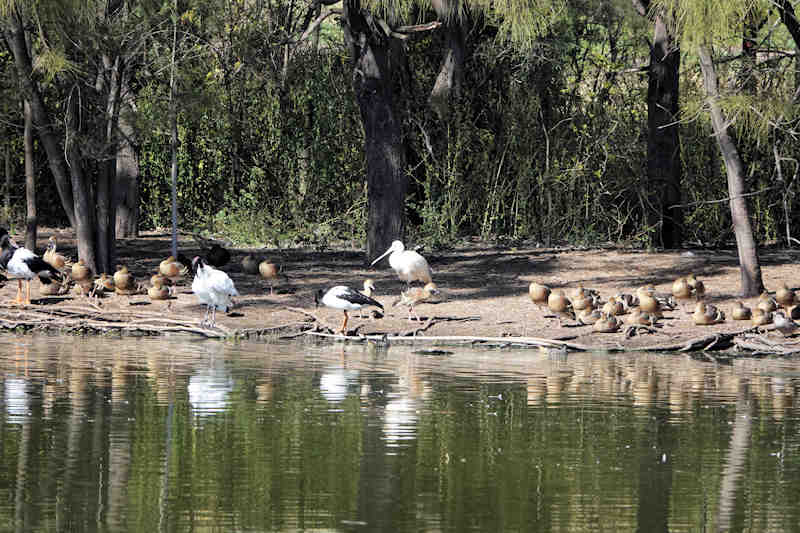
(344, 298)
(408, 264)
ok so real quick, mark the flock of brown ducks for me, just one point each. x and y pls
(646, 308)
(79, 278)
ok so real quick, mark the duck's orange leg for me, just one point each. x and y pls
(344, 324)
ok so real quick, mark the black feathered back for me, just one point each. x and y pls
(8, 250)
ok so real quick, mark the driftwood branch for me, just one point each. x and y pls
(460, 340)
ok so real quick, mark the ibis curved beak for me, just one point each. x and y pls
(387, 252)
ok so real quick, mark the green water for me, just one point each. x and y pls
(159, 434)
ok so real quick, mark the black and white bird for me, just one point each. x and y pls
(344, 298)
(24, 264)
(213, 288)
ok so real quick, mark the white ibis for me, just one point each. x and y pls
(24, 264)
(344, 298)
(213, 288)
(408, 264)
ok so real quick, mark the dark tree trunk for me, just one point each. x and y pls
(451, 73)
(106, 180)
(30, 181)
(84, 209)
(752, 283)
(663, 144)
(383, 139)
(15, 37)
(127, 186)
(789, 19)
(173, 172)
(173, 143)
(664, 169)
(8, 184)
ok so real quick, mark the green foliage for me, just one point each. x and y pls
(546, 140)
(699, 21)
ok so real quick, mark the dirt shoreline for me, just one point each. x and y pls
(485, 291)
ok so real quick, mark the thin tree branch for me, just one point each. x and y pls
(314, 25)
(727, 199)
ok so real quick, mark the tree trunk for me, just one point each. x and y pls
(127, 171)
(383, 140)
(84, 210)
(15, 37)
(30, 181)
(752, 284)
(8, 182)
(448, 82)
(789, 19)
(106, 209)
(663, 144)
(664, 169)
(173, 144)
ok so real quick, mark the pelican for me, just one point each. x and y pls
(408, 264)
(344, 298)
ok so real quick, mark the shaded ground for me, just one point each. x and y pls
(488, 284)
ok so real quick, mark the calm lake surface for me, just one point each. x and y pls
(154, 434)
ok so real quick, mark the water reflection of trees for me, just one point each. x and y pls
(481, 440)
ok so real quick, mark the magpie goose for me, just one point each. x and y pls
(24, 264)
(213, 288)
(344, 298)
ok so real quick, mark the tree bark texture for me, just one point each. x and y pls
(383, 140)
(127, 171)
(106, 179)
(664, 169)
(789, 19)
(84, 209)
(15, 37)
(752, 283)
(8, 184)
(30, 181)
(451, 73)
